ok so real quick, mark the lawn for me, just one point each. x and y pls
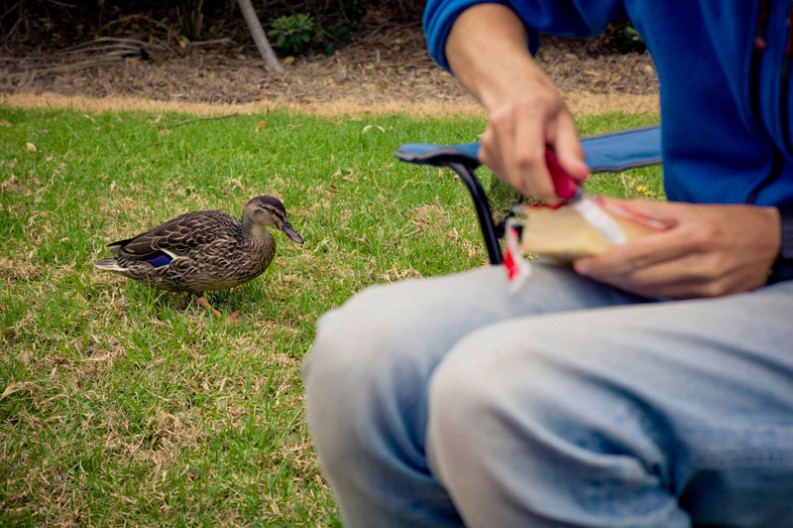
(125, 405)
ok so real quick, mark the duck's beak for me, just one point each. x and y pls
(291, 233)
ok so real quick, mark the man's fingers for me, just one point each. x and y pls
(514, 142)
(569, 151)
(529, 158)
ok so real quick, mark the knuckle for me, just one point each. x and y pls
(705, 237)
(640, 261)
(526, 160)
(500, 119)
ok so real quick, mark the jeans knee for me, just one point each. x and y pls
(488, 389)
(360, 369)
(553, 403)
(340, 358)
(349, 347)
(463, 398)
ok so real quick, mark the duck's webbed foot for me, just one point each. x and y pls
(204, 303)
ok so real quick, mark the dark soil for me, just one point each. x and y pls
(384, 63)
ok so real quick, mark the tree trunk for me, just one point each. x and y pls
(259, 37)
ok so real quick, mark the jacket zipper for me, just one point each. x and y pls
(760, 45)
(785, 79)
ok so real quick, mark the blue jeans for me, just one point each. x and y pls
(449, 402)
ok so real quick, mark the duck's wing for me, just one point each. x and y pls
(178, 237)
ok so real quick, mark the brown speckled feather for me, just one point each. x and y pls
(181, 235)
(205, 250)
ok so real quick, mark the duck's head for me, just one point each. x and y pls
(266, 211)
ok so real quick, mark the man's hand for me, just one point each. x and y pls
(706, 251)
(488, 52)
(518, 130)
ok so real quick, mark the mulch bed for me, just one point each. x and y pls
(384, 63)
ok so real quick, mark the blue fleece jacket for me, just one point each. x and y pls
(726, 91)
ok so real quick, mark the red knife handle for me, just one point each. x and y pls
(564, 185)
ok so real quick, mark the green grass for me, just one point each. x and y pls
(125, 405)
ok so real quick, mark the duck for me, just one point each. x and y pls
(204, 250)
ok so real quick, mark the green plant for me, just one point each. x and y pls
(627, 38)
(339, 23)
(191, 18)
(294, 34)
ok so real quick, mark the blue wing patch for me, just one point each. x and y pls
(160, 260)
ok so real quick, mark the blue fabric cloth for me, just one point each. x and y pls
(725, 105)
(605, 153)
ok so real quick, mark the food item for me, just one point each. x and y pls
(562, 233)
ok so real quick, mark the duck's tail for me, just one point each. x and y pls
(109, 264)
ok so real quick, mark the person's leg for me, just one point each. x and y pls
(662, 415)
(367, 373)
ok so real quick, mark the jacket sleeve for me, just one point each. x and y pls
(570, 18)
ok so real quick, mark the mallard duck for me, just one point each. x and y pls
(203, 251)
